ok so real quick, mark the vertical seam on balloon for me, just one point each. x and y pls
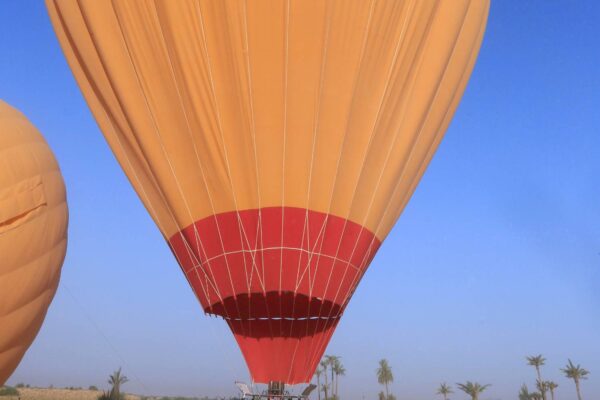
(216, 105)
(108, 115)
(96, 92)
(186, 244)
(401, 38)
(253, 134)
(176, 85)
(153, 118)
(368, 252)
(384, 99)
(242, 230)
(327, 29)
(253, 127)
(326, 219)
(423, 123)
(470, 61)
(243, 235)
(285, 95)
(284, 145)
(214, 95)
(355, 84)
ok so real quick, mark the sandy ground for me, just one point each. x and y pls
(58, 394)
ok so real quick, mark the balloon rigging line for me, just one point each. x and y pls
(213, 92)
(327, 29)
(332, 196)
(166, 157)
(284, 149)
(183, 108)
(191, 256)
(363, 163)
(399, 181)
(430, 149)
(133, 133)
(337, 169)
(385, 96)
(104, 336)
(253, 133)
(110, 119)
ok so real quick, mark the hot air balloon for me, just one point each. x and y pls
(33, 234)
(274, 143)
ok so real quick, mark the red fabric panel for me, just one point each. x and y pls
(281, 277)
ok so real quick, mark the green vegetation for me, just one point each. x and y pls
(473, 389)
(576, 373)
(338, 370)
(324, 364)
(551, 387)
(444, 390)
(524, 393)
(8, 391)
(385, 376)
(116, 380)
(318, 373)
(105, 396)
(537, 362)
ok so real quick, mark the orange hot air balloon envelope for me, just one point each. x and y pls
(275, 143)
(33, 234)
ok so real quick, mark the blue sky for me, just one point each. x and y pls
(496, 257)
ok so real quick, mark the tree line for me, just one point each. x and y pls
(331, 368)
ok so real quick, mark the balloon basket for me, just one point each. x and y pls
(274, 391)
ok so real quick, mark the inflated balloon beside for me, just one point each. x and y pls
(33, 234)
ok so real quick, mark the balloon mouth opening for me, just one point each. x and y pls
(274, 314)
(274, 306)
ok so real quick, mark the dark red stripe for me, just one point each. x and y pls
(244, 267)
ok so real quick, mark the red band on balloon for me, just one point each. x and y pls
(281, 277)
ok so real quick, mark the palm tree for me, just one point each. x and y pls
(318, 373)
(331, 360)
(537, 362)
(444, 390)
(576, 373)
(384, 375)
(324, 388)
(116, 380)
(324, 365)
(551, 386)
(473, 389)
(524, 393)
(339, 370)
(542, 386)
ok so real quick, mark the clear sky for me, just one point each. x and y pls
(496, 257)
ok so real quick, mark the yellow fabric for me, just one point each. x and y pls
(213, 106)
(33, 234)
(19, 203)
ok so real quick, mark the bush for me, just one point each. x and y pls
(20, 385)
(8, 391)
(108, 396)
(92, 387)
